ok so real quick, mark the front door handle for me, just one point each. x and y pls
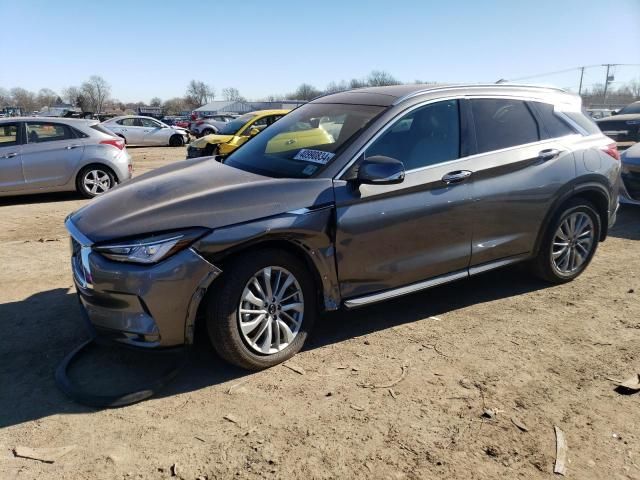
(10, 155)
(456, 177)
(548, 154)
(69, 147)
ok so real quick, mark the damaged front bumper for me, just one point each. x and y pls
(141, 305)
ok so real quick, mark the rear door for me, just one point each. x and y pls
(50, 155)
(518, 171)
(389, 236)
(132, 130)
(11, 175)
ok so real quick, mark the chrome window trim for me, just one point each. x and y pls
(401, 114)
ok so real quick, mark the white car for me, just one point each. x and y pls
(138, 130)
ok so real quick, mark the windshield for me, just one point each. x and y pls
(232, 127)
(633, 108)
(301, 143)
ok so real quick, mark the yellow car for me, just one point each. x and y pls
(243, 128)
(234, 133)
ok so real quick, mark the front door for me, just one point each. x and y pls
(154, 133)
(389, 236)
(50, 155)
(11, 176)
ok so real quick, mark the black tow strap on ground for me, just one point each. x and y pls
(116, 400)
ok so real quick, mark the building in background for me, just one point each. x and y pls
(223, 106)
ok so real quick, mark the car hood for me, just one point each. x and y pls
(619, 118)
(179, 129)
(195, 193)
(212, 139)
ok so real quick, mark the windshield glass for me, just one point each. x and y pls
(232, 127)
(301, 143)
(633, 108)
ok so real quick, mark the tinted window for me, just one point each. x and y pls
(554, 125)
(39, 132)
(426, 136)
(502, 123)
(128, 122)
(632, 108)
(8, 134)
(584, 121)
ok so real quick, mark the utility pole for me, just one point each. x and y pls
(581, 76)
(606, 81)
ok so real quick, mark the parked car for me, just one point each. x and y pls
(234, 133)
(623, 127)
(208, 125)
(138, 130)
(630, 191)
(420, 187)
(182, 122)
(52, 155)
(597, 113)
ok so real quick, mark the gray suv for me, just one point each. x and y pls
(414, 187)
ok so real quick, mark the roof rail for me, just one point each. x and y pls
(475, 85)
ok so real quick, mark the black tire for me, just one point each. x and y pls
(207, 131)
(543, 266)
(224, 300)
(176, 141)
(82, 187)
(210, 150)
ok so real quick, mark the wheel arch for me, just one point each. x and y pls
(99, 165)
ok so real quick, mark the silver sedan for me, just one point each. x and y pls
(138, 130)
(59, 154)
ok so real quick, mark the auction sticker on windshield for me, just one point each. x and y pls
(314, 156)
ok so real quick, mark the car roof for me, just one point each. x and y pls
(77, 121)
(395, 94)
(120, 117)
(270, 112)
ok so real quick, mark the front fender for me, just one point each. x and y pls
(306, 232)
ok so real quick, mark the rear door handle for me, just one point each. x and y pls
(69, 147)
(548, 154)
(10, 155)
(456, 177)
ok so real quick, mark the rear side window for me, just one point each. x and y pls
(502, 123)
(127, 122)
(8, 134)
(40, 132)
(101, 129)
(554, 125)
(584, 121)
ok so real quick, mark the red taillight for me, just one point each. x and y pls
(612, 151)
(199, 122)
(116, 142)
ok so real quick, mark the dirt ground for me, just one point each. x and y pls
(536, 355)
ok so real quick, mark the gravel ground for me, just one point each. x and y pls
(395, 391)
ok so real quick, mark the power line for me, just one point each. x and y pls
(566, 70)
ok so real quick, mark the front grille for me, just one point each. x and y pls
(621, 131)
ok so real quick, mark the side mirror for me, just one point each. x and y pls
(380, 170)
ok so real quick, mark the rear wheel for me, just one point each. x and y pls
(207, 131)
(176, 141)
(95, 180)
(569, 243)
(263, 310)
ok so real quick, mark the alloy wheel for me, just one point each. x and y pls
(97, 182)
(572, 243)
(271, 310)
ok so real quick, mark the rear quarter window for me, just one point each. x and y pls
(551, 122)
(584, 121)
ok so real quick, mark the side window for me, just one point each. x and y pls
(584, 121)
(40, 132)
(8, 134)
(502, 123)
(148, 123)
(127, 122)
(260, 124)
(426, 136)
(554, 125)
(273, 118)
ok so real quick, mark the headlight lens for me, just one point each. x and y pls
(150, 249)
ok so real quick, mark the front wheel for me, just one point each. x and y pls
(569, 244)
(176, 141)
(94, 180)
(262, 311)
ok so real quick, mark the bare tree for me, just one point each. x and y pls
(380, 78)
(634, 88)
(5, 98)
(24, 99)
(357, 83)
(46, 97)
(232, 94)
(304, 92)
(199, 93)
(175, 106)
(334, 87)
(156, 102)
(96, 90)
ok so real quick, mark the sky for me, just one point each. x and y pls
(147, 49)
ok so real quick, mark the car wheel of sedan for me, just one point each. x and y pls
(176, 141)
(95, 180)
(262, 310)
(207, 131)
(569, 244)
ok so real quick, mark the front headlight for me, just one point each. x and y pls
(152, 248)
